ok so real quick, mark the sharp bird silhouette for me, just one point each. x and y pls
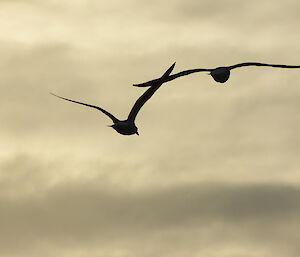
(128, 127)
(219, 74)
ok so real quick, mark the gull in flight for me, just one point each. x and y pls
(219, 74)
(128, 127)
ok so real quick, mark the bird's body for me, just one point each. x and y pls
(128, 127)
(125, 128)
(219, 74)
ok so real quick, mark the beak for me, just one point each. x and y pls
(137, 133)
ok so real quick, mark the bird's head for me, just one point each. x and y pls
(135, 130)
(220, 74)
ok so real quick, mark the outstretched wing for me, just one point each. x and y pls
(114, 119)
(262, 64)
(169, 78)
(149, 92)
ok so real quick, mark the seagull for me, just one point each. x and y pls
(219, 74)
(128, 127)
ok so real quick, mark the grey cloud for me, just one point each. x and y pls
(83, 212)
(232, 13)
(30, 73)
(244, 131)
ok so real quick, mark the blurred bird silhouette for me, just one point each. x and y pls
(219, 74)
(128, 127)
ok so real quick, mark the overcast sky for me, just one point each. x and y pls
(215, 170)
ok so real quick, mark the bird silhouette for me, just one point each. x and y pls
(219, 74)
(128, 127)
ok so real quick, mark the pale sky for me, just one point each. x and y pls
(215, 170)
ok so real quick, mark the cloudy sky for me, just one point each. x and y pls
(215, 170)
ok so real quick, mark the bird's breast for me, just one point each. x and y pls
(125, 128)
(221, 74)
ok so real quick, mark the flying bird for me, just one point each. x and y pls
(128, 127)
(219, 74)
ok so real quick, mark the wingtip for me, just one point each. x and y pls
(56, 95)
(53, 94)
(146, 84)
(172, 66)
(137, 85)
(168, 72)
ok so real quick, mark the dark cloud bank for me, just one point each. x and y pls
(82, 214)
